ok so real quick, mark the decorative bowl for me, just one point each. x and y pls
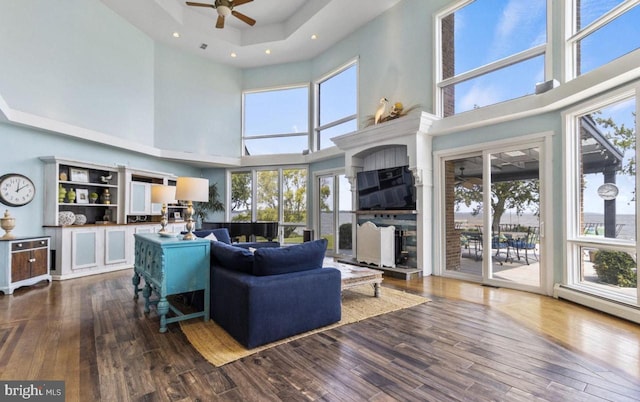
(66, 218)
(80, 219)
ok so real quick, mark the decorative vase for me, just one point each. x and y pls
(71, 196)
(66, 218)
(7, 223)
(93, 197)
(80, 219)
(106, 196)
(62, 192)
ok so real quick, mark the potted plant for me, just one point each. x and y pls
(202, 209)
(93, 197)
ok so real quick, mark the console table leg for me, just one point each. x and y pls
(163, 309)
(376, 289)
(146, 293)
(136, 282)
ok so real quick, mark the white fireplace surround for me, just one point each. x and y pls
(412, 132)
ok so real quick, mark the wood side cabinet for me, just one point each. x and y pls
(23, 262)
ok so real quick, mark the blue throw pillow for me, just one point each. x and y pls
(231, 257)
(300, 257)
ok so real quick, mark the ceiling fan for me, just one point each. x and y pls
(467, 182)
(226, 8)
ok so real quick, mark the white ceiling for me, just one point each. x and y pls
(283, 26)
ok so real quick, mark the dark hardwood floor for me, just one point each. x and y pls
(469, 344)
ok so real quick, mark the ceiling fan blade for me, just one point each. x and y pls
(190, 3)
(243, 17)
(236, 3)
(220, 22)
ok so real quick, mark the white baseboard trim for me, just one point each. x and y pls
(614, 308)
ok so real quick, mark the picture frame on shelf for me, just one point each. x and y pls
(82, 196)
(177, 217)
(79, 175)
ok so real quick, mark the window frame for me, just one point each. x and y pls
(254, 192)
(545, 50)
(317, 128)
(575, 240)
(279, 135)
(574, 36)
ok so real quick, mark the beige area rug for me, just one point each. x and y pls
(358, 303)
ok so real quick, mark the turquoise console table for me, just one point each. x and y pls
(171, 266)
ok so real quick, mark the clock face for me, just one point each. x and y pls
(608, 191)
(16, 190)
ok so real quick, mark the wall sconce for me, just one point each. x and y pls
(164, 195)
(191, 189)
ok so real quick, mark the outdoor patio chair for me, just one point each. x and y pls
(528, 244)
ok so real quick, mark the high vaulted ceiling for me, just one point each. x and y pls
(285, 27)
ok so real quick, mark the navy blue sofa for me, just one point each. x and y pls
(272, 293)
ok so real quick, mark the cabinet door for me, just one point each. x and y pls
(84, 247)
(140, 198)
(20, 265)
(40, 262)
(115, 246)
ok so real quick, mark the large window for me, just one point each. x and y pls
(336, 105)
(491, 51)
(276, 121)
(280, 195)
(603, 31)
(602, 234)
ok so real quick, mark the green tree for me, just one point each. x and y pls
(241, 196)
(623, 138)
(521, 195)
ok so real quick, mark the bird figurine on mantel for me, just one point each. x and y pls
(381, 109)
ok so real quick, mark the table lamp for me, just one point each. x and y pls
(191, 189)
(161, 194)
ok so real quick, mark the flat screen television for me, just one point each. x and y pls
(386, 189)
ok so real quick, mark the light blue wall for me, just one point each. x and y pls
(23, 147)
(77, 62)
(198, 104)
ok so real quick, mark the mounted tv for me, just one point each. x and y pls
(386, 189)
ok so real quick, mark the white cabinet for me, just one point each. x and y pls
(88, 250)
(139, 198)
(376, 245)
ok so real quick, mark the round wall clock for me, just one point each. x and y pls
(16, 190)
(608, 191)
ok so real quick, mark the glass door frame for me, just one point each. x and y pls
(335, 174)
(544, 142)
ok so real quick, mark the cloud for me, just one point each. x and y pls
(479, 95)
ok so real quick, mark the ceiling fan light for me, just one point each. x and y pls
(224, 11)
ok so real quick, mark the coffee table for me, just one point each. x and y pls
(355, 276)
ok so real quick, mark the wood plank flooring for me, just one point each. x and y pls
(471, 343)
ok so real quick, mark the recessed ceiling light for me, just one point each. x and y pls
(176, 34)
(268, 51)
(234, 55)
(314, 37)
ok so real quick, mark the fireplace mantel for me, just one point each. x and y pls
(411, 132)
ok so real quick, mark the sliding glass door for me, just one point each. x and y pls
(494, 236)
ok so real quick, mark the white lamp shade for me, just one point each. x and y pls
(192, 189)
(163, 194)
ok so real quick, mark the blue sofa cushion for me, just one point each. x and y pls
(231, 257)
(221, 234)
(300, 257)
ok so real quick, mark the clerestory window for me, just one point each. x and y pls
(490, 51)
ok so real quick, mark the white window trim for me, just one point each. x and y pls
(545, 50)
(570, 288)
(573, 36)
(279, 135)
(315, 123)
